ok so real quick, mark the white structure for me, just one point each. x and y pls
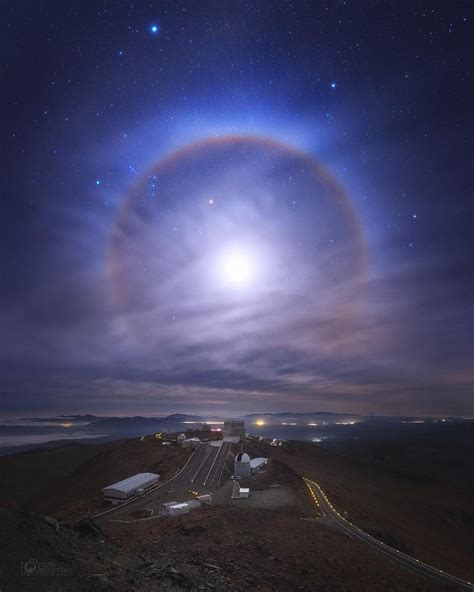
(119, 492)
(257, 463)
(206, 498)
(234, 429)
(191, 443)
(175, 508)
(180, 439)
(242, 465)
(239, 492)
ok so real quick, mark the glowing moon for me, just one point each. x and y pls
(237, 268)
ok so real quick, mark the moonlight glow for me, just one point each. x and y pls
(238, 268)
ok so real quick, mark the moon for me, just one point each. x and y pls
(237, 268)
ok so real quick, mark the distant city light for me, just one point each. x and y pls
(260, 422)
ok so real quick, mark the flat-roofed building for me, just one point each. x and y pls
(119, 492)
(191, 443)
(177, 508)
(257, 463)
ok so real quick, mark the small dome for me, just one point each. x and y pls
(181, 437)
(243, 457)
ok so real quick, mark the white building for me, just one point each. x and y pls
(239, 492)
(257, 463)
(180, 439)
(119, 492)
(191, 443)
(205, 498)
(175, 508)
(242, 465)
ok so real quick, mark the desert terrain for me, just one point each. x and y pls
(273, 540)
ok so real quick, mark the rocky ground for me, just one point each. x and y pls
(427, 517)
(272, 541)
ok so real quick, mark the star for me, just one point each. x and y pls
(211, 201)
(333, 85)
(154, 29)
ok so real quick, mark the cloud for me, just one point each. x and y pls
(155, 325)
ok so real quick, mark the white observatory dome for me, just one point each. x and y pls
(243, 457)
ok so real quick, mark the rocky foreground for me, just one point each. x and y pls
(274, 540)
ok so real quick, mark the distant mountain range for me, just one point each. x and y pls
(317, 426)
(90, 421)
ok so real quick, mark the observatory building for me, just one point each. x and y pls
(242, 465)
(234, 429)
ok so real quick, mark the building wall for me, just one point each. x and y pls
(235, 428)
(242, 469)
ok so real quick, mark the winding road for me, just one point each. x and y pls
(333, 518)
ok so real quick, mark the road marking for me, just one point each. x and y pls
(223, 464)
(212, 466)
(202, 464)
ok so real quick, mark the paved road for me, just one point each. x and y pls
(333, 517)
(213, 478)
(202, 473)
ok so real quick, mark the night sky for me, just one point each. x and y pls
(227, 207)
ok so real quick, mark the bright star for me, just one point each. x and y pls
(154, 29)
(333, 85)
(211, 201)
(97, 182)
